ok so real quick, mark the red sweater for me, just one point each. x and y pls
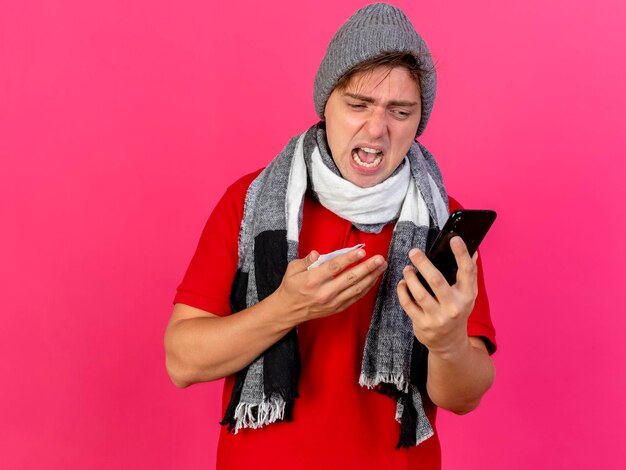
(336, 423)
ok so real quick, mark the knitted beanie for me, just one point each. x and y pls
(371, 31)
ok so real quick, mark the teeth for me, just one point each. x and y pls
(369, 150)
(376, 162)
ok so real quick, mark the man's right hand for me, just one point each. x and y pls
(329, 288)
(201, 346)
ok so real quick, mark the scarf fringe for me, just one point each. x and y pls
(419, 440)
(398, 380)
(404, 443)
(399, 409)
(254, 416)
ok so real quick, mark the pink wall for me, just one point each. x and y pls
(121, 123)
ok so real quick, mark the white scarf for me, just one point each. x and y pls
(375, 205)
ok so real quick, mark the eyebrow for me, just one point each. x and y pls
(369, 99)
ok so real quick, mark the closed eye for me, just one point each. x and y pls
(401, 114)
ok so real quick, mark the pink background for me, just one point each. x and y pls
(121, 124)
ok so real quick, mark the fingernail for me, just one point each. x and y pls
(360, 253)
(457, 241)
(413, 251)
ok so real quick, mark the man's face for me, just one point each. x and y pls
(371, 124)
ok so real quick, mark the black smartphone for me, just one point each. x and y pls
(471, 226)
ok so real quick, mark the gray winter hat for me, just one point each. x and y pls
(371, 31)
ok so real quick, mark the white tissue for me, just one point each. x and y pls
(333, 254)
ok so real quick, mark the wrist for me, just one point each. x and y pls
(452, 352)
(280, 313)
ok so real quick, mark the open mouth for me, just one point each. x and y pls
(367, 157)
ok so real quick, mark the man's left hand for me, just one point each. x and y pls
(440, 322)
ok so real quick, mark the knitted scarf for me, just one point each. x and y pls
(394, 362)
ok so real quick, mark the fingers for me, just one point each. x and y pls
(332, 268)
(333, 284)
(416, 289)
(357, 281)
(310, 259)
(407, 301)
(300, 265)
(466, 276)
(431, 274)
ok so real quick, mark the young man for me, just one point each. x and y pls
(340, 364)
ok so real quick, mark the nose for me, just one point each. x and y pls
(377, 123)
